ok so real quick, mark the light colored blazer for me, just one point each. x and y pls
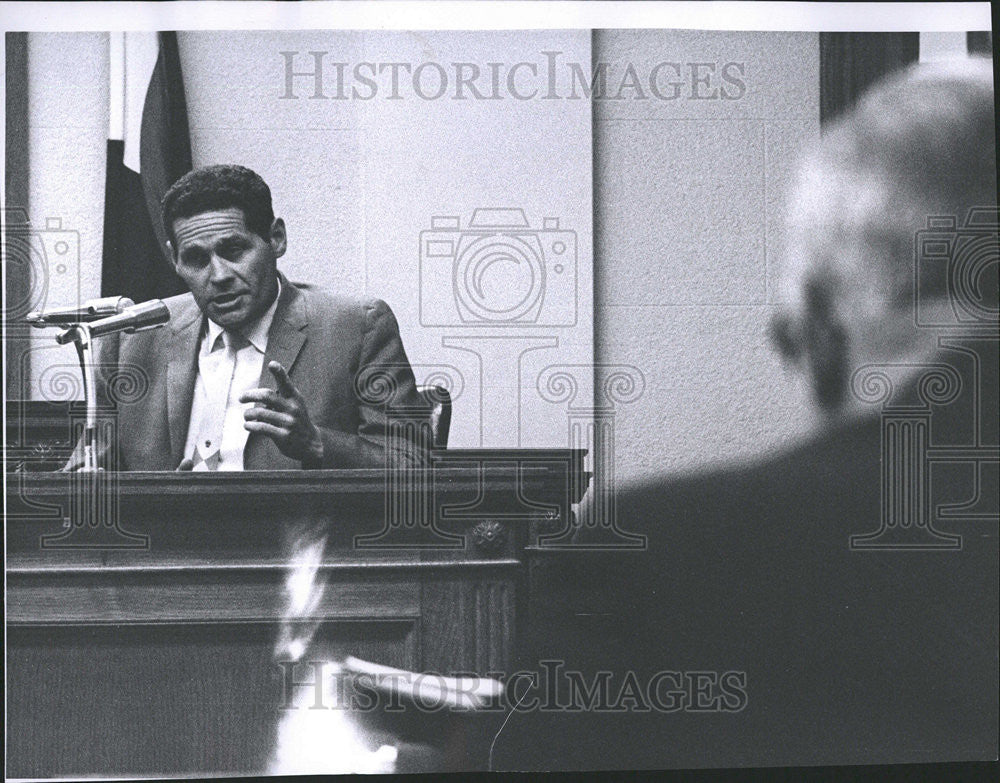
(344, 355)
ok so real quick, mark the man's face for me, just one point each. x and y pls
(231, 271)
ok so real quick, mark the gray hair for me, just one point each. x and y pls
(921, 143)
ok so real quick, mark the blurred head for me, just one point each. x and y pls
(919, 144)
(225, 241)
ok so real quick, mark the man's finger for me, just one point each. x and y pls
(186, 464)
(268, 429)
(276, 418)
(268, 397)
(281, 376)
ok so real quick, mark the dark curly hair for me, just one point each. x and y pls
(219, 187)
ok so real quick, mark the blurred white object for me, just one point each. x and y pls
(325, 741)
(937, 46)
(456, 693)
(302, 592)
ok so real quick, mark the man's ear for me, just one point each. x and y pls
(171, 253)
(826, 344)
(279, 239)
(786, 336)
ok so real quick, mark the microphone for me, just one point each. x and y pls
(137, 318)
(91, 310)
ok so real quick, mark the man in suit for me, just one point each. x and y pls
(252, 372)
(843, 654)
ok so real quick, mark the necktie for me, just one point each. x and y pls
(216, 372)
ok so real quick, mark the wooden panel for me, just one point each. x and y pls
(493, 626)
(191, 596)
(473, 624)
(160, 660)
(39, 436)
(446, 609)
(160, 699)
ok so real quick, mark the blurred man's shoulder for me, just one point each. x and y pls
(827, 471)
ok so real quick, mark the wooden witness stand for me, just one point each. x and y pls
(146, 645)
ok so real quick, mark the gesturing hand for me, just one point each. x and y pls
(283, 417)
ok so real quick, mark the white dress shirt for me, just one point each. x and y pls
(228, 366)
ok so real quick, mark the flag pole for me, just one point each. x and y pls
(116, 85)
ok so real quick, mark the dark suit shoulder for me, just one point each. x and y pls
(816, 489)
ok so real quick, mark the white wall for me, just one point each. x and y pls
(688, 232)
(67, 137)
(358, 181)
(686, 200)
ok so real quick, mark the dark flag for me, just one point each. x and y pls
(149, 147)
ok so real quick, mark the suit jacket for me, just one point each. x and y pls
(850, 656)
(326, 342)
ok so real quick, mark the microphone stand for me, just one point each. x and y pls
(94, 495)
(102, 316)
(79, 335)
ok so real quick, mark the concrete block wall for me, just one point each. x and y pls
(688, 200)
(67, 131)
